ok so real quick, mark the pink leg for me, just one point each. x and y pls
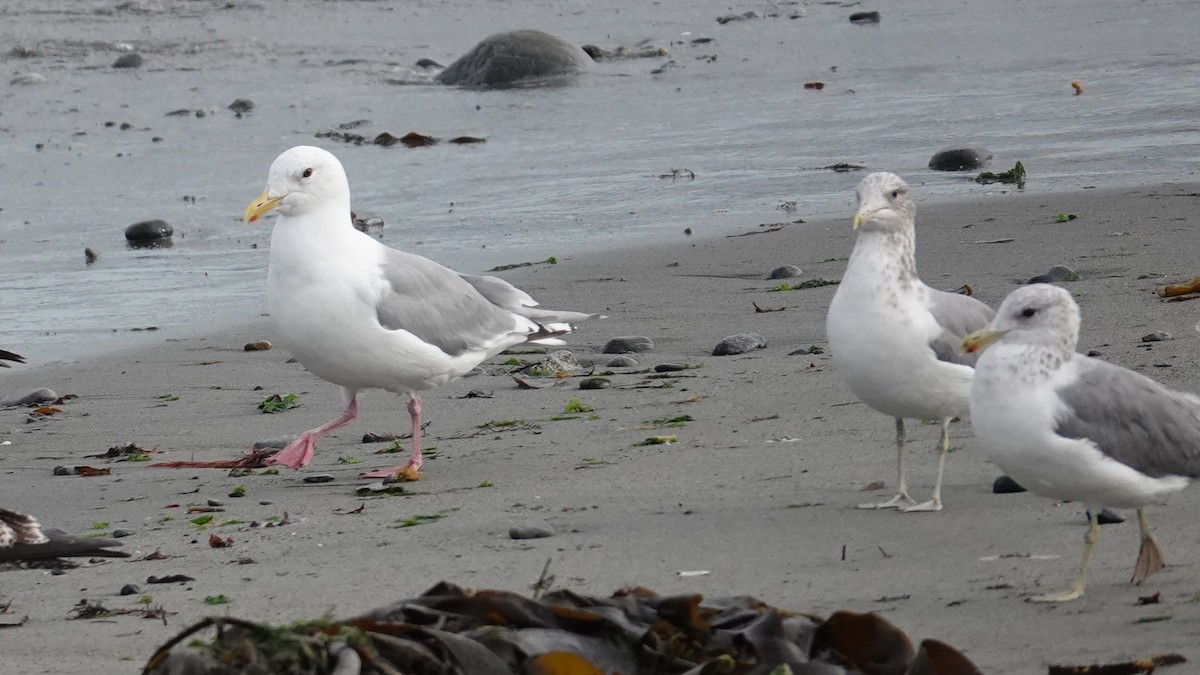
(299, 452)
(412, 470)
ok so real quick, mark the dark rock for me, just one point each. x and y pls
(148, 232)
(42, 395)
(121, 534)
(621, 362)
(739, 344)
(131, 60)
(594, 383)
(959, 159)
(428, 63)
(1156, 336)
(730, 18)
(62, 471)
(1005, 485)
(669, 367)
(1055, 274)
(319, 478)
(130, 589)
(862, 18)
(517, 58)
(629, 344)
(89, 256)
(257, 346)
(530, 532)
(216, 502)
(241, 105)
(784, 272)
(1106, 517)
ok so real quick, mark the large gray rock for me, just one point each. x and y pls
(517, 58)
(739, 344)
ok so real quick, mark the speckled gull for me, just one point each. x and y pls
(894, 340)
(365, 316)
(1072, 427)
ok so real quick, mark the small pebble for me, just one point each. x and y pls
(121, 534)
(132, 60)
(1156, 336)
(628, 344)
(130, 589)
(669, 367)
(264, 502)
(594, 383)
(530, 532)
(1095, 352)
(1106, 517)
(1055, 274)
(319, 478)
(428, 63)
(862, 18)
(241, 105)
(216, 502)
(62, 471)
(622, 362)
(784, 272)
(739, 344)
(1005, 485)
(257, 346)
(41, 395)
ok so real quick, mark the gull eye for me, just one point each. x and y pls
(1028, 312)
(307, 173)
(895, 193)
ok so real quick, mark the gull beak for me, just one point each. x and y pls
(862, 215)
(260, 205)
(977, 341)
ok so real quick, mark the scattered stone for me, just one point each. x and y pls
(519, 57)
(148, 232)
(622, 362)
(1005, 485)
(629, 344)
(319, 478)
(863, 18)
(28, 78)
(429, 63)
(1156, 336)
(1055, 274)
(959, 159)
(131, 60)
(89, 256)
(784, 272)
(669, 367)
(806, 351)
(121, 534)
(41, 395)
(739, 344)
(530, 532)
(241, 105)
(62, 471)
(257, 346)
(1106, 517)
(561, 361)
(730, 18)
(130, 589)
(594, 383)
(216, 502)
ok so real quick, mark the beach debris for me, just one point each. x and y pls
(1152, 599)
(1065, 217)
(1055, 274)
(523, 383)
(765, 310)
(675, 174)
(39, 395)
(730, 18)
(628, 344)
(453, 629)
(1003, 240)
(959, 159)
(872, 486)
(254, 459)
(91, 471)
(767, 228)
(807, 351)
(687, 574)
(512, 266)
(215, 541)
(864, 18)
(639, 51)
(95, 610)
(814, 85)
(784, 272)
(1149, 664)
(803, 285)
(1014, 176)
(90, 256)
(44, 411)
(844, 167)
(1168, 291)
(1156, 336)
(149, 233)
(276, 403)
(125, 452)
(319, 478)
(1077, 87)
(658, 440)
(257, 346)
(739, 344)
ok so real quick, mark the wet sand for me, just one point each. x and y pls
(759, 490)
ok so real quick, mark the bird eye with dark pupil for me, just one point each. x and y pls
(1028, 312)
(307, 173)
(895, 193)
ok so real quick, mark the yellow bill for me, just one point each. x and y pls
(261, 204)
(980, 339)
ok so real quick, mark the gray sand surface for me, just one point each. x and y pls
(759, 490)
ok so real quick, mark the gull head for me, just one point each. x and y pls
(302, 179)
(1037, 314)
(884, 203)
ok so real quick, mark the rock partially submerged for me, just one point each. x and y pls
(149, 233)
(959, 159)
(519, 58)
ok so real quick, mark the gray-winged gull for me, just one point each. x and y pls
(894, 339)
(365, 316)
(22, 538)
(1072, 427)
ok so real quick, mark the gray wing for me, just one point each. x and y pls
(439, 306)
(515, 300)
(958, 315)
(1133, 419)
(6, 355)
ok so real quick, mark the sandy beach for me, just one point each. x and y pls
(759, 490)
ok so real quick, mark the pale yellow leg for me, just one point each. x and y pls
(901, 499)
(935, 501)
(1076, 590)
(1150, 555)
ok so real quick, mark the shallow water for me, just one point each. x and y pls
(563, 170)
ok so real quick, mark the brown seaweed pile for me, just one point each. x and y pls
(450, 630)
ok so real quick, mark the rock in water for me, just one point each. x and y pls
(149, 233)
(517, 58)
(959, 159)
